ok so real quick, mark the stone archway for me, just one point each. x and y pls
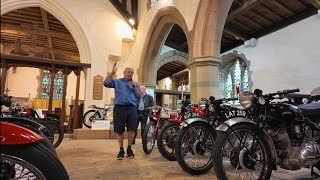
(228, 60)
(54, 8)
(204, 50)
(156, 35)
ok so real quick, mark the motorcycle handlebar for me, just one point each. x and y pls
(291, 91)
(284, 92)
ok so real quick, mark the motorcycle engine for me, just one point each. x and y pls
(294, 157)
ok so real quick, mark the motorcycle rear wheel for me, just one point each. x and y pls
(39, 156)
(89, 116)
(166, 140)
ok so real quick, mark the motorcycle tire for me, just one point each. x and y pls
(40, 157)
(164, 141)
(88, 113)
(180, 154)
(220, 153)
(146, 139)
(56, 128)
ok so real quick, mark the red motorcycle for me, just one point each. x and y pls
(25, 154)
(168, 133)
(159, 115)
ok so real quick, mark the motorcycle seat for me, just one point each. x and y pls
(311, 109)
(296, 95)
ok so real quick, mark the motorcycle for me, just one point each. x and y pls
(168, 133)
(193, 145)
(53, 129)
(279, 133)
(25, 155)
(96, 113)
(158, 117)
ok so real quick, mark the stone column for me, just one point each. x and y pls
(204, 77)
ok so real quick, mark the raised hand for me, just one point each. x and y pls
(114, 69)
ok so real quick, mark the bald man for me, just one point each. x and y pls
(125, 107)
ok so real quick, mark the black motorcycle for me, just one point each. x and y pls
(193, 145)
(280, 132)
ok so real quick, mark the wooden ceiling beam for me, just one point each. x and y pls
(46, 27)
(40, 49)
(236, 34)
(315, 3)
(163, 70)
(284, 23)
(245, 7)
(21, 20)
(16, 29)
(283, 8)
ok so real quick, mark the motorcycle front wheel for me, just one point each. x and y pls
(89, 116)
(193, 148)
(35, 154)
(242, 153)
(166, 140)
(148, 140)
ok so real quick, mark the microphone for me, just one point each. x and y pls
(133, 85)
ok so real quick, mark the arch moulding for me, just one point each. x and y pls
(160, 27)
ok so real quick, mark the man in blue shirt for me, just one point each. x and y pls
(125, 109)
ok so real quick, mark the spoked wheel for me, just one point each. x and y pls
(27, 160)
(148, 140)
(193, 148)
(89, 116)
(57, 131)
(16, 168)
(240, 154)
(166, 140)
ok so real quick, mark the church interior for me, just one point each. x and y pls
(56, 54)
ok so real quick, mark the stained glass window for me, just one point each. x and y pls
(57, 88)
(234, 79)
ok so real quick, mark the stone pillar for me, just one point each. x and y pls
(204, 77)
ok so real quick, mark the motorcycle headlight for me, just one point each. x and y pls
(261, 100)
(155, 109)
(202, 103)
(211, 108)
(246, 99)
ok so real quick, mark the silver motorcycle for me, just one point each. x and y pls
(96, 113)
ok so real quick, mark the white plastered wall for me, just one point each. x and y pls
(288, 58)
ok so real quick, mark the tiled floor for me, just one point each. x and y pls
(96, 159)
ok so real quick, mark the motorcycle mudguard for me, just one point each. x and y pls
(12, 134)
(190, 121)
(175, 121)
(240, 120)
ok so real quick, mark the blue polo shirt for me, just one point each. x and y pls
(124, 94)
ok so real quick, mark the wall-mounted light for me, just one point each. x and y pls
(126, 31)
(132, 22)
(250, 43)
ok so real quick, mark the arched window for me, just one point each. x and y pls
(45, 86)
(234, 78)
